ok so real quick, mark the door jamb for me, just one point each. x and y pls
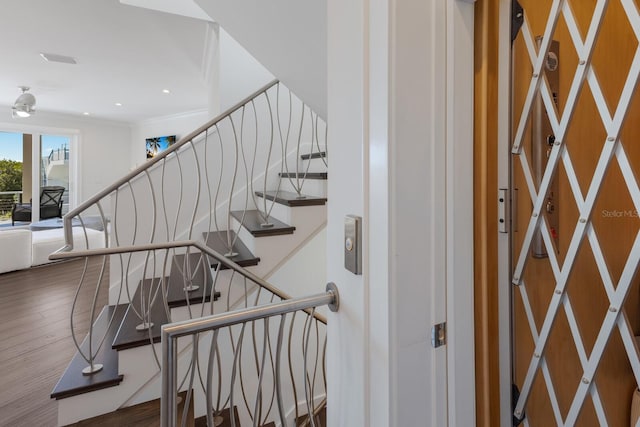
(504, 239)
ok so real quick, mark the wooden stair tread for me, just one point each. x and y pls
(302, 175)
(289, 198)
(226, 419)
(145, 414)
(316, 155)
(73, 382)
(252, 222)
(128, 336)
(201, 276)
(320, 420)
(215, 240)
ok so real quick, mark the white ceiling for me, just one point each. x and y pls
(125, 54)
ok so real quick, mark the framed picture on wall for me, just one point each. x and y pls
(159, 144)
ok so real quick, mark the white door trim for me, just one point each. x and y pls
(412, 129)
(459, 190)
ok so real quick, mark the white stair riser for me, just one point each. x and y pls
(88, 405)
(272, 250)
(314, 165)
(137, 366)
(296, 216)
(310, 187)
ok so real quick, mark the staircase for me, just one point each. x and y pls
(194, 233)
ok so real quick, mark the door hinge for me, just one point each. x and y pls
(439, 335)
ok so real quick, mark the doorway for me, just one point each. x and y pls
(30, 162)
(574, 246)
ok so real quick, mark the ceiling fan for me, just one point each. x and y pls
(24, 105)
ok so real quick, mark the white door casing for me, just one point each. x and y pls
(404, 69)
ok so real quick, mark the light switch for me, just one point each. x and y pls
(353, 244)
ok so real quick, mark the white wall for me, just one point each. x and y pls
(184, 8)
(240, 73)
(234, 76)
(179, 125)
(287, 36)
(103, 146)
(305, 273)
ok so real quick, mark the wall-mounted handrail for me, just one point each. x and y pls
(68, 232)
(171, 332)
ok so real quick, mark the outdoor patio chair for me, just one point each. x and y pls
(50, 205)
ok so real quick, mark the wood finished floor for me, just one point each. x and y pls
(35, 337)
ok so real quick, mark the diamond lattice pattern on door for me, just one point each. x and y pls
(581, 245)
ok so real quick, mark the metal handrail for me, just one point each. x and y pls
(171, 332)
(68, 232)
(61, 254)
(147, 215)
(169, 240)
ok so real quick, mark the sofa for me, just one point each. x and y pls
(23, 248)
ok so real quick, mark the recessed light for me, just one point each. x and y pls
(86, 113)
(166, 91)
(118, 104)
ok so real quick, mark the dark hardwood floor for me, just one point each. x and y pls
(35, 337)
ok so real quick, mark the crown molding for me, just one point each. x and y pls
(182, 115)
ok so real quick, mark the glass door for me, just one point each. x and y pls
(54, 165)
(575, 159)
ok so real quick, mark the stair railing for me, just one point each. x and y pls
(268, 367)
(298, 177)
(231, 287)
(252, 367)
(193, 186)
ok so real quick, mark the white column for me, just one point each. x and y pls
(211, 68)
(36, 159)
(27, 173)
